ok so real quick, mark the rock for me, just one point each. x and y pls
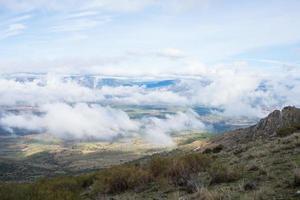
(266, 128)
(252, 185)
(253, 167)
(289, 116)
(297, 177)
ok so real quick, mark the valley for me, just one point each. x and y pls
(27, 158)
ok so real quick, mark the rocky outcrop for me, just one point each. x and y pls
(266, 128)
(289, 116)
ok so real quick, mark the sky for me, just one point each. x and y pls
(122, 37)
(242, 57)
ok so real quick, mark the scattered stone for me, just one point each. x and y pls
(252, 185)
(253, 168)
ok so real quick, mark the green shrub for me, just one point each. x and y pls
(85, 180)
(13, 191)
(61, 188)
(283, 132)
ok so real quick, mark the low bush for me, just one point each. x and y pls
(121, 178)
(14, 191)
(183, 167)
(283, 132)
(61, 188)
(175, 170)
(158, 166)
(221, 173)
(215, 149)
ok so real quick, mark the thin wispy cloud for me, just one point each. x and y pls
(12, 30)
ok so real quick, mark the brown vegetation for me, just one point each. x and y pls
(177, 170)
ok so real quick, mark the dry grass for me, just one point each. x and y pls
(205, 194)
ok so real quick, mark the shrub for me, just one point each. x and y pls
(62, 188)
(159, 165)
(85, 180)
(215, 149)
(183, 167)
(218, 148)
(121, 178)
(286, 131)
(221, 173)
(176, 170)
(13, 191)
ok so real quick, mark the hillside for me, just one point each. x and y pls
(259, 162)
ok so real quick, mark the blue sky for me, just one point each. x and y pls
(147, 36)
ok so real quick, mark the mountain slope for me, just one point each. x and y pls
(259, 162)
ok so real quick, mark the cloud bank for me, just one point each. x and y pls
(95, 106)
(82, 121)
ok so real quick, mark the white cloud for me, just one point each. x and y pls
(75, 25)
(82, 14)
(172, 53)
(77, 122)
(12, 30)
(134, 95)
(69, 106)
(255, 91)
(82, 121)
(108, 5)
(48, 90)
(114, 5)
(159, 130)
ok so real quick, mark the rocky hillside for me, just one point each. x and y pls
(277, 123)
